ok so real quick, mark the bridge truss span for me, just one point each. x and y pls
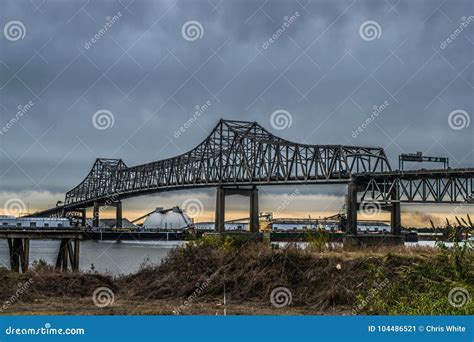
(238, 156)
(420, 186)
(235, 153)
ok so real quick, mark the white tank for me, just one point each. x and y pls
(167, 219)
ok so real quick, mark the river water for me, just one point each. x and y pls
(112, 257)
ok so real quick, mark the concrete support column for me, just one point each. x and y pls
(19, 249)
(352, 208)
(395, 217)
(83, 218)
(77, 248)
(220, 210)
(68, 254)
(118, 214)
(15, 248)
(254, 213)
(95, 215)
(17, 252)
(61, 260)
(11, 254)
(26, 255)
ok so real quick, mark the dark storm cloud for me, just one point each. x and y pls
(150, 78)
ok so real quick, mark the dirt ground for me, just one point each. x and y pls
(85, 306)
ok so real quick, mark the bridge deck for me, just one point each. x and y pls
(418, 174)
(239, 153)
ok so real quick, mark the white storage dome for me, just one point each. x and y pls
(167, 219)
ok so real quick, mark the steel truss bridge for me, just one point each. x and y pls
(238, 156)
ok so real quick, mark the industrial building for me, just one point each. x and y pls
(8, 221)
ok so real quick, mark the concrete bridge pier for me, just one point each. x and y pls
(95, 215)
(220, 210)
(395, 213)
(83, 217)
(254, 212)
(353, 206)
(352, 239)
(118, 214)
(396, 219)
(19, 254)
(222, 192)
(19, 246)
(351, 209)
(68, 254)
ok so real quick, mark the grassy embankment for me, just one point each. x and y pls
(191, 280)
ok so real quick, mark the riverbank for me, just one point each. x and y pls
(255, 279)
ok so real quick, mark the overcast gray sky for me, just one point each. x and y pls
(246, 60)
